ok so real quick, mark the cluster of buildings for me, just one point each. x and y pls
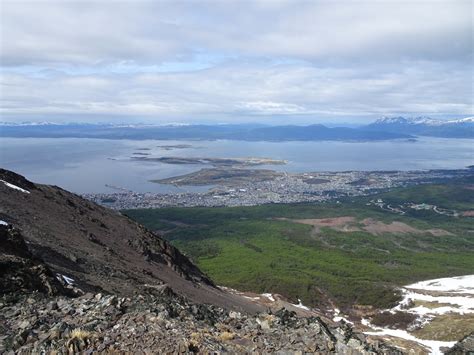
(288, 188)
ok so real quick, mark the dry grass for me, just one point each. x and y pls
(410, 347)
(447, 327)
(79, 340)
(433, 305)
(79, 333)
(226, 336)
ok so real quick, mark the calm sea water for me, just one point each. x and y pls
(87, 165)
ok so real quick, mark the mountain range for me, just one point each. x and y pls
(425, 126)
(386, 128)
(200, 132)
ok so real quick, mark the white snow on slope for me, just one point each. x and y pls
(457, 292)
(301, 305)
(459, 284)
(3, 223)
(461, 304)
(338, 317)
(269, 296)
(14, 187)
(433, 345)
(428, 121)
(463, 120)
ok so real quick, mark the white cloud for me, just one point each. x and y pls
(245, 90)
(270, 108)
(88, 32)
(186, 58)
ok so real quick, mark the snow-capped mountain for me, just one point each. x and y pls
(463, 120)
(422, 120)
(426, 126)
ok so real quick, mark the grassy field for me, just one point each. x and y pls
(251, 248)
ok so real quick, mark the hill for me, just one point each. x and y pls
(100, 249)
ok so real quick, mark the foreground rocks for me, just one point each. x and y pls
(161, 321)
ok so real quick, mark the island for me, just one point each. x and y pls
(217, 162)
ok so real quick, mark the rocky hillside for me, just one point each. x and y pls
(162, 322)
(100, 250)
(20, 271)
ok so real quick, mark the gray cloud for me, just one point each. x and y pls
(235, 59)
(245, 90)
(92, 32)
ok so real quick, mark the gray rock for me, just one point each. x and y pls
(463, 346)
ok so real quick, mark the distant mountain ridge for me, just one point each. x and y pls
(425, 126)
(421, 120)
(246, 132)
(385, 128)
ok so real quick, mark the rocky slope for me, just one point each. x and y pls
(162, 322)
(100, 249)
(20, 271)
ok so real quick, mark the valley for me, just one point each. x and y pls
(352, 253)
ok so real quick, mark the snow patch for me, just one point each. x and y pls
(251, 298)
(6, 183)
(3, 223)
(433, 345)
(269, 296)
(456, 295)
(338, 319)
(66, 279)
(459, 284)
(457, 292)
(461, 304)
(301, 305)
(427, 121)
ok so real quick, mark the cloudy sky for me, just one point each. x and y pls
(235, 61)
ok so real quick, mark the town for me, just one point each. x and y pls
(285, 188)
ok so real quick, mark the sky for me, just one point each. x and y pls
(221, 61)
